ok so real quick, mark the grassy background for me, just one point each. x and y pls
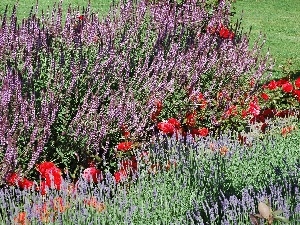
(278, 20)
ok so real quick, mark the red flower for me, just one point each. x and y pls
(287, 87)
(43, 167)
(284, 113)
(190, 119)
(257, 119)
(129, 164)
(120, 175)
(175, 122)
(265, 96)
(244, 113)
(53, 177)
(297, 94)
(272, 85)
(297, 82)
(268, 113)
(202, 132)
(263, 127)
(226, 33)
(43, 187)
(281, 82)
(81, 17)
(125, 132)
(230, 112)
(15, 179)
(166, 127)
(124, 146)
(25, 183)
(92, 174)
(158, 104)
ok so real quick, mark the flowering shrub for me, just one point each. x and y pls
(95, 90)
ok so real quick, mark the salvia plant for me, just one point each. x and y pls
(70, 85)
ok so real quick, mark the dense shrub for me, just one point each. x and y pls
(67, 85)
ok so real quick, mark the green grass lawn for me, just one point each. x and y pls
(24, 6)
(279, 21)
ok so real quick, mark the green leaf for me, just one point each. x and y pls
(282, 219)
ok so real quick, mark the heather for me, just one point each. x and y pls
(93, 95)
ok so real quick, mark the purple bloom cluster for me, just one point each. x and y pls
(236, 210)
(67, 86)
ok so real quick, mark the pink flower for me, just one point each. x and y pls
(254, 108)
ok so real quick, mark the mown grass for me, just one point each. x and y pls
(24, 6)
(279, 21)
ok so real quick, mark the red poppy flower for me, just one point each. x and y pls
(287, 87)
(264, 96)
(297, 82)
(296, 93)
(92, 174)
(25, 183)
(166, 128)
(175, 122)
(124, 146)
